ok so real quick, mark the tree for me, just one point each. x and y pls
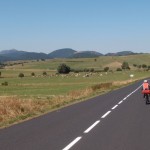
(0, 74)
(63, 68)
(125, 65)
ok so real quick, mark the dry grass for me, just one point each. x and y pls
(119, 83)
(13, 109)
(114, 65)
(101, 86)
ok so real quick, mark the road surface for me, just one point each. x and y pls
(118, 120)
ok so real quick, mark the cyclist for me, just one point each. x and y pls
(145, 86)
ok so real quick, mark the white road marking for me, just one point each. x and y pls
(125, 98)
(92, 126)
(120, 102)
(106, 114)
(72, 143)
(115, 106)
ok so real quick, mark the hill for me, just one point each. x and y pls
(86, 54)
(62, 53)
(122, 53)
(7, 55)
(13, 54)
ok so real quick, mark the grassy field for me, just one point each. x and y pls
(60, 85)
(30, 96)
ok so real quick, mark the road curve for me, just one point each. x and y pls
(118, 120)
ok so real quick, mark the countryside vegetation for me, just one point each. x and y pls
(31, 88)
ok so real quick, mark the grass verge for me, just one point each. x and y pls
(15, 109)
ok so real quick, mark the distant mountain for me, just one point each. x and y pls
(3, 58)
(122, 53)
(86, 54)
(4, 52)
(13, 54)
(62, 53)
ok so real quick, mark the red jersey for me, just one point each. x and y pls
(145, 86)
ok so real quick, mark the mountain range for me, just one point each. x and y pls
(13, 54)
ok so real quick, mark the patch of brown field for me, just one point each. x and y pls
(14, 107)
(101, 86)
(11, 107)
(115, 64)
(118, 83)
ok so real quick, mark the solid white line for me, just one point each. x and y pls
(92, 126)
(72, 143)
(120, 102)
(106, 114)
(115, 106)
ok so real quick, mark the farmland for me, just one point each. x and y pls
(44, 91)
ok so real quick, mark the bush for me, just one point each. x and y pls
(86, 70)
(21, 75)
(44, 73)
(118, 69)
(5, 83)
(32, 74)
(63, 68)
(144, 66)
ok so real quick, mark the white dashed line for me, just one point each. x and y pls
(72, 143)
(120, 102)
(124, 98)
(106, 114)
(98, 121)
(115, 106)
(92, 126)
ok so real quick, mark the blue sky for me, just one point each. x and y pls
(101, 25)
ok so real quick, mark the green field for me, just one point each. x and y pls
(46, 86)
(60, 85)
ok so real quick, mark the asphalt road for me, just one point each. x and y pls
(118, 120)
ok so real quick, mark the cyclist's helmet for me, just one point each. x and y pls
(145, 81)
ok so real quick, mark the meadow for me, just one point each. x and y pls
(33, 95)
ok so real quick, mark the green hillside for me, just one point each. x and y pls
(98, 63)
